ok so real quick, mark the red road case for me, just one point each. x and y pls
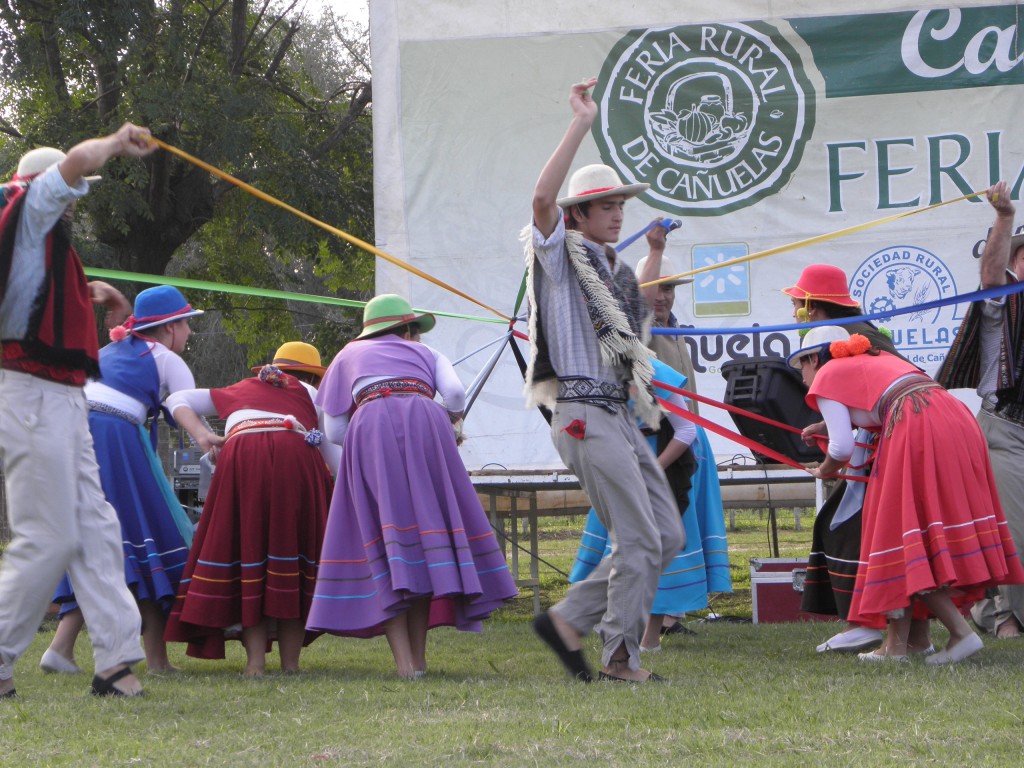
(776, 588)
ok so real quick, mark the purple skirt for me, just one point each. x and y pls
(405, 523)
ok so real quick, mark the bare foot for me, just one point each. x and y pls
(253, 672)
(165, 669)
(1008, 629)
(618, 669)
(129, 685)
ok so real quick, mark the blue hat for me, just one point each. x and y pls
(159, 305)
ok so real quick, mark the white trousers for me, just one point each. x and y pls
(60, 521)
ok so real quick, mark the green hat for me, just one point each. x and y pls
(389, 310)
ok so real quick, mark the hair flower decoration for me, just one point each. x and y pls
(272, 375)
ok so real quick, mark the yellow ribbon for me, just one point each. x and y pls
(333, 230)
(809, 241)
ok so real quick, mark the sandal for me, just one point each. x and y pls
(105, 686)
(652, 678)
(677, 629)
(573, 661)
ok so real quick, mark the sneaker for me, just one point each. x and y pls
(969, 646)
(853, 639)
(54, 662)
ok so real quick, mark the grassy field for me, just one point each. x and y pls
(738, 694)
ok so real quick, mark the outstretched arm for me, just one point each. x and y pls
(996, 256)
(89, 156)
(656, 240)
(584, 111)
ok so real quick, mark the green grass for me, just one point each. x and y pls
(738, 694)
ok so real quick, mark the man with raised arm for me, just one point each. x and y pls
(58, 515)
(988, 356)
(587, 323)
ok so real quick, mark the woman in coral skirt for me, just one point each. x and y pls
(408, 546)
(934, 537)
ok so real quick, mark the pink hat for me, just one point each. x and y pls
(822, 282)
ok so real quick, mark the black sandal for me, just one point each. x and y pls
(677, 629)
(607, 678)
(11, 694)
(573, 661)
(104, 686)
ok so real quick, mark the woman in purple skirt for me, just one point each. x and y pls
(408, 546)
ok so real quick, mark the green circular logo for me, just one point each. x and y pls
(713, 116)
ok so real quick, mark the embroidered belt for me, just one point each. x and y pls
(112, 411)
(313, 437)
(577, 388)
(258, 425)
(390, 387)
(911, 390)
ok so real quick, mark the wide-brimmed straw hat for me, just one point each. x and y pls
(822, 282)
(1017, 241)
(297, 356)
(816, 340)
(37, 160)
(667, 270)
(389, 310)
(592, 182)
(159, 305)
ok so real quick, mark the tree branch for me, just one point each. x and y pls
(282, 50)
(356, 107)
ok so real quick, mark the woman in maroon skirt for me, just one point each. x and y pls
(408, 546)
(253, 563)
(934, 537)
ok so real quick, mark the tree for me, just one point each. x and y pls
(272, 97)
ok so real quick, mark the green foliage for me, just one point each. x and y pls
(278, 100)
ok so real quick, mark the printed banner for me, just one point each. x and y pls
(755, 128)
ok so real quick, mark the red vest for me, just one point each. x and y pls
(857, 381)
(61, 337)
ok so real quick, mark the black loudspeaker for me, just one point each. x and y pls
(770, 388)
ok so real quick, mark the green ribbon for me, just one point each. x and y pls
(248, 290)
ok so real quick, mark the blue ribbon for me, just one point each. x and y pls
(980, 295)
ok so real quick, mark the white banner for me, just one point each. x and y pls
(758, 124)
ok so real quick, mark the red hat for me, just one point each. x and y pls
(822, 282)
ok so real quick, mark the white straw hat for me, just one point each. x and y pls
(816, 340)
(592, 182)
(37, 160)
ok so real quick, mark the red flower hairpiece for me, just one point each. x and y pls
(857, 344)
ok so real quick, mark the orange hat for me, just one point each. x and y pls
(297, 356)
(822, 282)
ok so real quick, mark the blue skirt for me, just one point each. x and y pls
(154, 530)
(703, 564)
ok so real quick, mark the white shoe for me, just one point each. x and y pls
(54, 662)
(652, 649)
(969, 646)
(854, 639)
(873, 657)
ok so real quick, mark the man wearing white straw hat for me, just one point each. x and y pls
(587, 327)
(59, 517)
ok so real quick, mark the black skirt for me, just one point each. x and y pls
(832, 564)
